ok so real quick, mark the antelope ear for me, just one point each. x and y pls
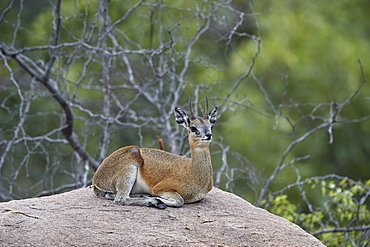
(213, 115)
(181, 117)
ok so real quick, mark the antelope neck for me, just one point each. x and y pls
(201, 160)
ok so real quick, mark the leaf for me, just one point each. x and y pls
(343, 181)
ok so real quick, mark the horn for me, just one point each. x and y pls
(191, 110)
(206, 115)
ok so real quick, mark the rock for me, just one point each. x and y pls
(78, 218)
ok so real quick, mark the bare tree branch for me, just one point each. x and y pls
(347, 229)
(257, 40)
(327, 124)
(56, 40)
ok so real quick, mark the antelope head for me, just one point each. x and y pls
(199, 129)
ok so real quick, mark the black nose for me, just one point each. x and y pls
(208, 135)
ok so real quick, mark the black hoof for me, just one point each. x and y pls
(161, 206)
(157, 205)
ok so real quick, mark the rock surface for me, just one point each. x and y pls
(78, 218)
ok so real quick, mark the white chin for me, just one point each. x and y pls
(206, 140)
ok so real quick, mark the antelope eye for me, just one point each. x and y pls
(195, 130)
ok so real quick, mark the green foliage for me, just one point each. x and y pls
(342, 217)
(283, 207)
